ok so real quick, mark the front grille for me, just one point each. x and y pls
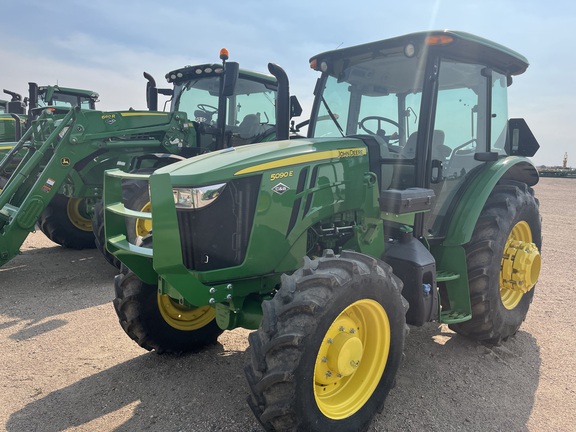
(217, 236)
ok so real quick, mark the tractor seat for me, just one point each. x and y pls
(250, 126)
(438, 148)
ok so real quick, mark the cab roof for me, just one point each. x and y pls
(214, 69)
(71, 91)
(455, 45)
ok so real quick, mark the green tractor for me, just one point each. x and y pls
(10, 117)
(58, 180)
(18, 113)
(409, 202)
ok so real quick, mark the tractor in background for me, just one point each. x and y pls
(10, 119)
(57, 183)
(18, 113)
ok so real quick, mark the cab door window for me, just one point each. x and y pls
(461, 121)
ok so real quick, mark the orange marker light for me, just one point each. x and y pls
(313, 63)
(223, 54)
(439, 40)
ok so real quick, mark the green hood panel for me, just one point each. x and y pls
(246, 160)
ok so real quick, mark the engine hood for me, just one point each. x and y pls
(257, 158)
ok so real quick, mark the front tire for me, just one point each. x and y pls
(99, 235)
(66, 222)
(157, 322)
(329, 345)
(503, 263)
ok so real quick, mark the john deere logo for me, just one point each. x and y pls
(280, 188)
(65, 161)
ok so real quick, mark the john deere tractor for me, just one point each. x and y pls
(11, 122)
(59, 177)
(18, 113)
(409, 202)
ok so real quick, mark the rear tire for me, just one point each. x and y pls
(510, 213)
(328, 347)
(66, 222)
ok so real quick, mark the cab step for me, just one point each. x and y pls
(456, 315)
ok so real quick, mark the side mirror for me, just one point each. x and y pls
(520, 140)
(231, 71)
(295, 107)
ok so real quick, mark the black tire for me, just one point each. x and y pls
(142, 317)
(286, 364)
(65, 222)
(511, 204)
(136, 197)
(99, 237)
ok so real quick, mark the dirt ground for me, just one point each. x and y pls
(66, 365)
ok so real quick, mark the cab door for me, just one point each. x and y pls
(470, 122)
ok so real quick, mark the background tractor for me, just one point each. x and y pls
(61, 160)
(19, 113)
(9, 121)
(409, 202)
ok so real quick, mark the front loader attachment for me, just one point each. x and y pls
(68, 156)
(29, 188)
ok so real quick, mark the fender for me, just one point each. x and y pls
(468, 210)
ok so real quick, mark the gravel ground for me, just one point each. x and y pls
(66, 365)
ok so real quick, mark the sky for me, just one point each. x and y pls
(106, 45)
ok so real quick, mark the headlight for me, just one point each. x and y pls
(195, 198)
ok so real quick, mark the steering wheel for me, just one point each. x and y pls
(379, 119)
(207, 108)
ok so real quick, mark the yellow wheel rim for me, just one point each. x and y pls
(351, 359)
(77, 214)
(144, 226)
(183, 318)
(520, 266)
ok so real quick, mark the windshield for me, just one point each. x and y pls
(251, 110)
(378, 96)
(67, 100)
(2, 107)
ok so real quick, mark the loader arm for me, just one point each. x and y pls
(64, 156)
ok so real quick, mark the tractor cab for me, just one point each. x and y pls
(431, 107)
(246, 113)
(19, 113)
(60, 99)
(229, 106)
(11, 115)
